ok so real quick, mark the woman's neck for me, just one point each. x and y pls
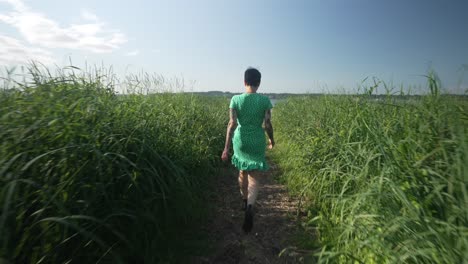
(250, 89)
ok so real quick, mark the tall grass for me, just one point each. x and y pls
(384, 181)
(87, 175)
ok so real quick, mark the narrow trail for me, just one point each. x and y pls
(274, 223)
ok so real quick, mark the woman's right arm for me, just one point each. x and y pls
(229, 133)
(269, 128)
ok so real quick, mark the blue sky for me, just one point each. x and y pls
(299, 46)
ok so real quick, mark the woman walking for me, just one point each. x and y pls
(247, 112)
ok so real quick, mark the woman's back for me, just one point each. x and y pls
(249, 136)
(250, 109)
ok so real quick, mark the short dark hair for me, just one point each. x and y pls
(252, 77)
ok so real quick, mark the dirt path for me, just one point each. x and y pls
(274, 224)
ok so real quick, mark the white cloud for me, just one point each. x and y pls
(40, 30)
(13, 52)
(132, 53)
(156, 51)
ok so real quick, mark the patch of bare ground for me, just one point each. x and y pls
(275, 224)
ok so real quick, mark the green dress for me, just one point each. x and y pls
(249, 137)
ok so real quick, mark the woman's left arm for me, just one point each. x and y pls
(230, 131)
(269, 128)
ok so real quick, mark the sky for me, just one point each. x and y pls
(309, 46)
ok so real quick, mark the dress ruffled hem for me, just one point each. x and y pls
(249, 165)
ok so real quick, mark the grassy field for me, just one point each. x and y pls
(382, 181)
(88, 176)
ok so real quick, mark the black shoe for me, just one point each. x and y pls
(244, 204)
(248, 220)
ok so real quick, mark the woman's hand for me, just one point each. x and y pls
(271, 144)
(225, 155)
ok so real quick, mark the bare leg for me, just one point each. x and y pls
(244, 184)
(253, 185)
